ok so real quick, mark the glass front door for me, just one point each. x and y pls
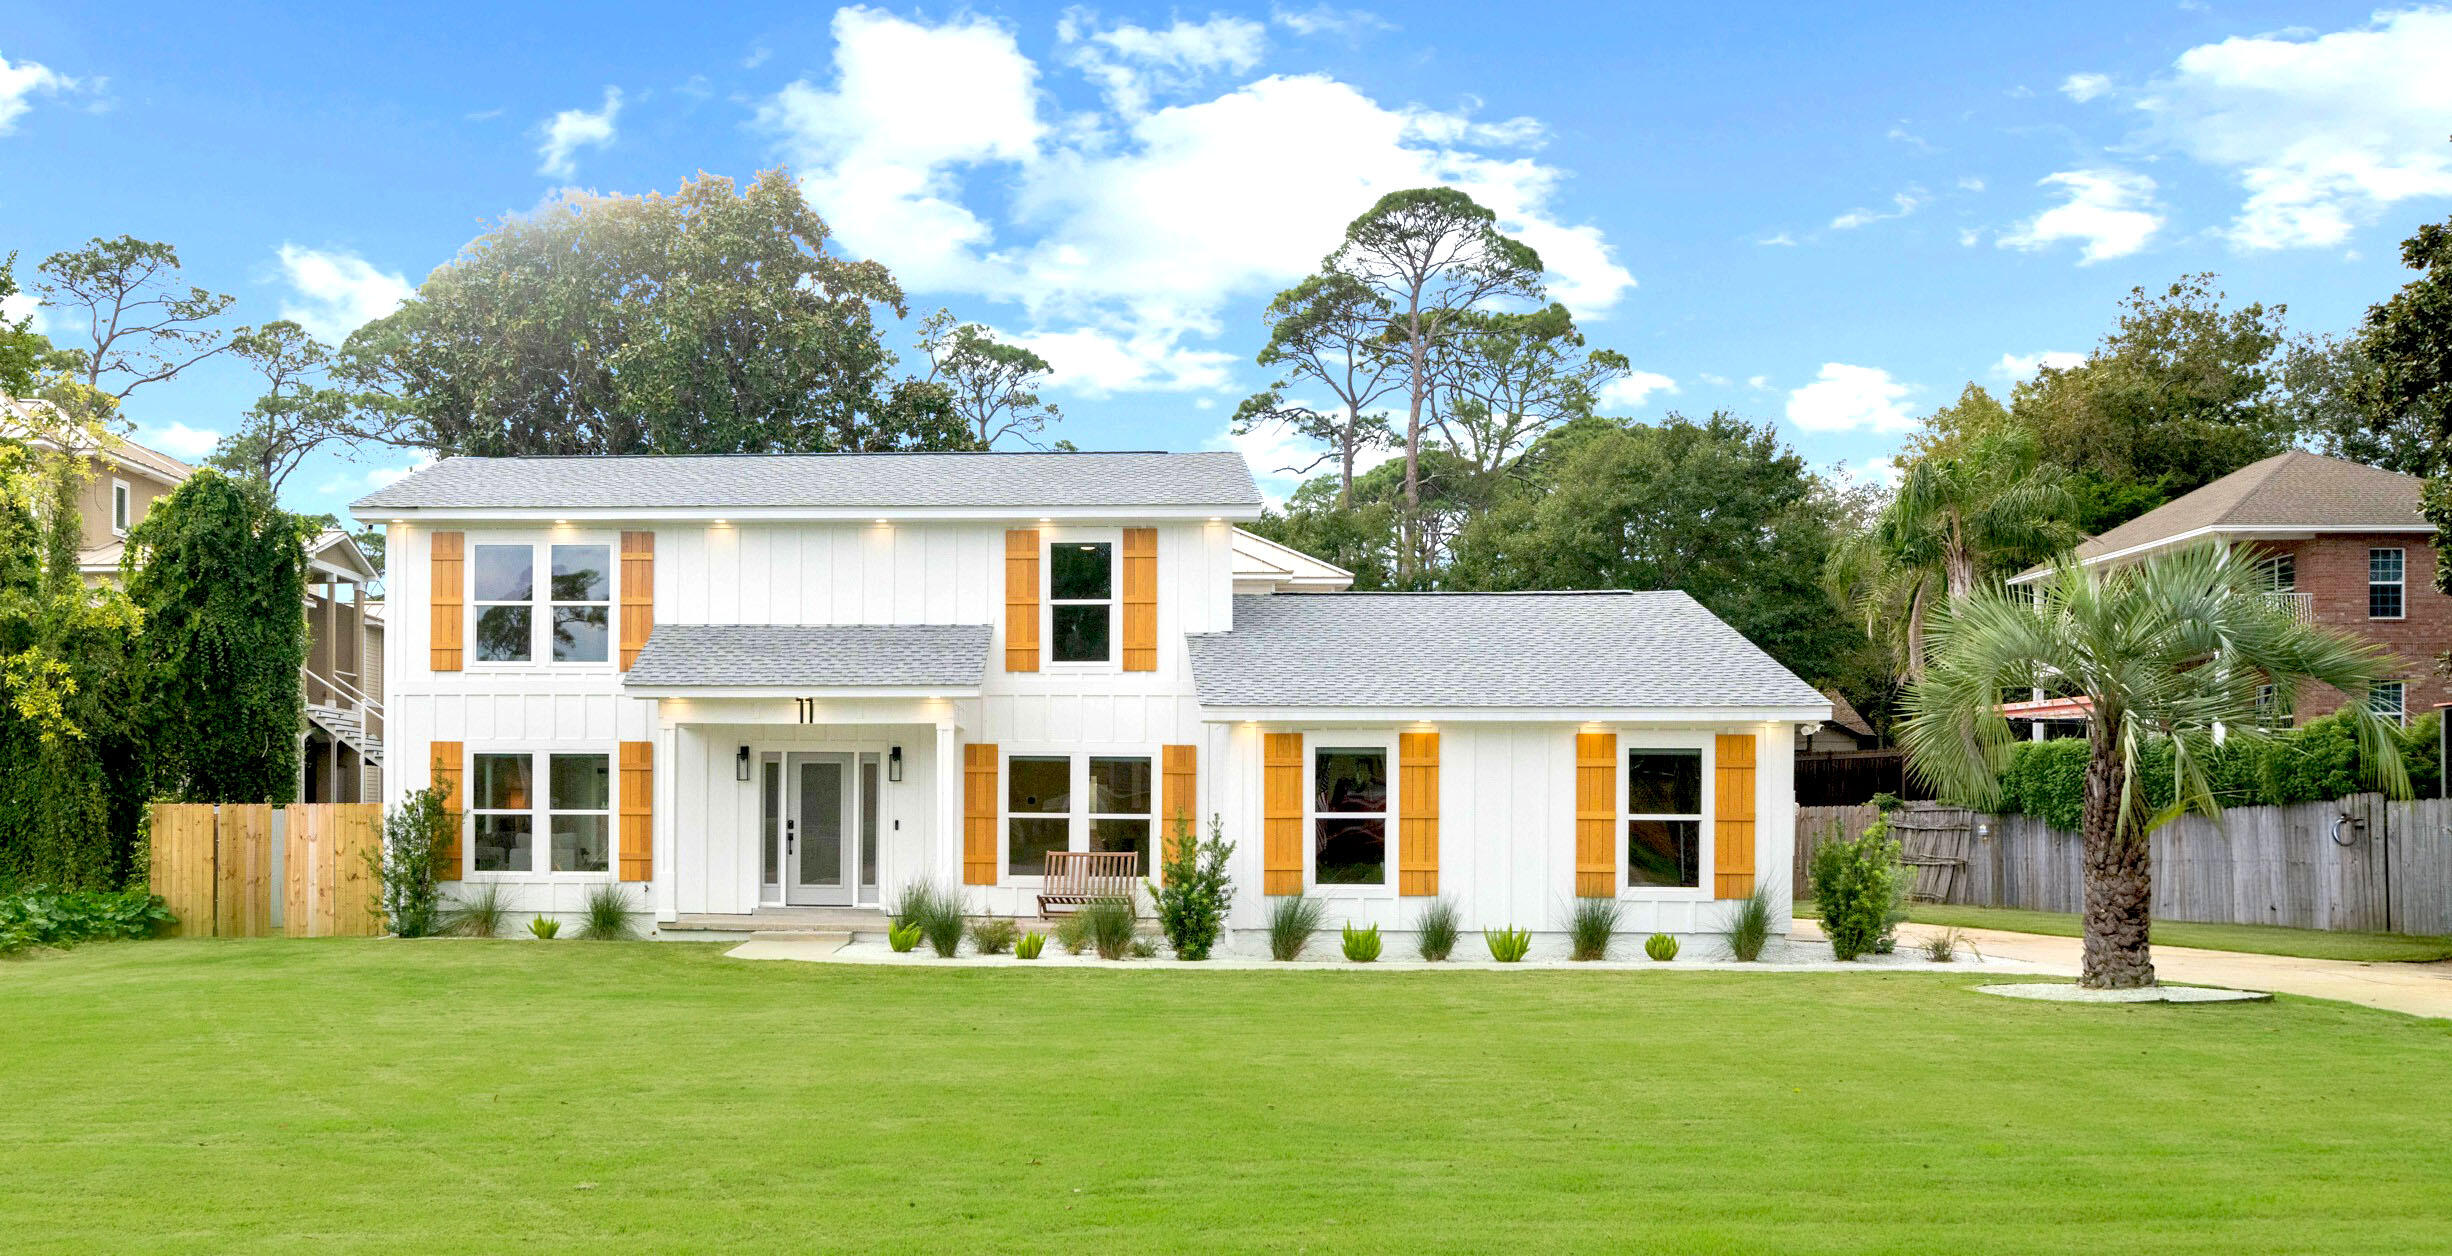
(818, 824)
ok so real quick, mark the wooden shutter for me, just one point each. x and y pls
(446, 758)
(1179, 799)
(1596, 815)
(1417, 825)
(1140, 599)
(446, 570)
(1732, 806)
(1022, 600)
(979, 814)
(1282, 813)
(638, 832)
(638, 593)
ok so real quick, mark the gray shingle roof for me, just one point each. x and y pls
(1610, 649)
(874, 655)
(920, 480)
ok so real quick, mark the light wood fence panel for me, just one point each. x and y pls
(331, 891)
(182, 865)
(242, 898)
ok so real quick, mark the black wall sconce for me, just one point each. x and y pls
(740, 765)
(893, 764)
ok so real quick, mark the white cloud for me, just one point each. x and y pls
(757, 57)
(568, 131)
(2084, 87)
(19, 82)
(1778, 239)
(338, 291)
(1969, 237)
(1970, 183)
(22, 305)
(2111, 211)
(1904, 203)
(931, 148)
(1325, 20)
(1759, 383)
(1630, 391)
(1272, 452)
(1881, 471)
(2323, 133)
(1846, 398)
(2016, 366)
(385, 477)
(180, 441)
(1899, 134)
(1131, 64)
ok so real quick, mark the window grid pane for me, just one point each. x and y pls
(1350, 781)
(1664, 853)
(1664, 783)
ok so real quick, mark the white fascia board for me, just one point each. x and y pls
(831, 693)
(1515, 715)
(1117, 513)
(2253, 531)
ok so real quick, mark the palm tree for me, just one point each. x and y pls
(1956, 522)
(2174, 646)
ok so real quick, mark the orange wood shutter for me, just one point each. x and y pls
(1180, 799)
(638, 833)
(1140, 599)
(1732, 804)
(446, 567)
(979, 814)
(1596, 815)
(638, 593)
(1417, 825)
(1022, 600)
(1282, 813)
(447, 760)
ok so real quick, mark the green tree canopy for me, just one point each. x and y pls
(2408, 337)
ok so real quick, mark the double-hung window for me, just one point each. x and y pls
(2386, 569)
(2390, 699)
(1076, 802)
(1081, 601)
(1349, 814)
(2280, 573)
(575, 612)
(1664, 818)
(575, 812)
(123, 507)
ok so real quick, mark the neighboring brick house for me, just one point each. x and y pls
(2344, 543)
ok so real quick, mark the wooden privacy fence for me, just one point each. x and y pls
(2357, 863)
(249, 870)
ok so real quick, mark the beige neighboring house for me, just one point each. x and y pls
(343, 759)
(126, 479)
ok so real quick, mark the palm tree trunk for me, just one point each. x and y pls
(2119, 882)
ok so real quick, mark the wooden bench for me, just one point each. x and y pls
(1075, 877)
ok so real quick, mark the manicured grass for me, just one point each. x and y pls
(2257, 939)
(517, 1096)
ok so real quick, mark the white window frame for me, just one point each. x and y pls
(1077, 816)
(123, 507)
(1383, 740)
(540, 813)
(1706, 855)
(2401, 584)
(541, 600)
(2400, 693)
(1113, 539)
(2272, 566)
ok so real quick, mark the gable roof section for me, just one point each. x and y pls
(880, 657)
(1282, 568)
(1007, 482)
(1598, 651)
(2291, 491)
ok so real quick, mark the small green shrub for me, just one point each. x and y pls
(1144, 946)
(404, 864)
(1362, 945)
(1857, 885)
(1029, 945)
(1661, 947)
(936, 911)
(1109, 925)
(1292, 921)
(1438, 930)
(902, 936)
(1942, 947)
(1749, 927)
(1590, 927)
(993, 935)
(606, 918)
(1191, 902)
(1073, 934)
(63, 918)
(544, 927)
(482, 914)
(1509, 945)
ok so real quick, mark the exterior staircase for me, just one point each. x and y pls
(347, 727)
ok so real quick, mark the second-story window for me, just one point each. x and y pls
(506, 603)
(1081, 601)
(123, 512)
(582, 602)
(2280, 573)
(2384, 583)
(576, 607)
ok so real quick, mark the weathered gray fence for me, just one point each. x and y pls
(2358, 863)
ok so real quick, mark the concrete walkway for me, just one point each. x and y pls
(2416, 989)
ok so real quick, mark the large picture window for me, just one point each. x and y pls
(1349, 815)
(1081, 601)
(575, 812)
(1076, 802)
(1664, 818)
(2386, 570)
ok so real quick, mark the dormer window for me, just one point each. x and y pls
(1081, 601)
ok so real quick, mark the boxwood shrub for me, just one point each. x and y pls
(2316, 762)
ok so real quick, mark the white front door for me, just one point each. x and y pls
(819, 858)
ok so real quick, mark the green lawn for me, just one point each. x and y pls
(515, 1096)
(2259, 939)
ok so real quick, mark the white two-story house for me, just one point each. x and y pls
(751, 684)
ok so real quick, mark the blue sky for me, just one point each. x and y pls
(1812, 214)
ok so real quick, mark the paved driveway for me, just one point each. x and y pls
(2417, 989)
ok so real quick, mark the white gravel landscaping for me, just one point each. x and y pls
(2058, 992)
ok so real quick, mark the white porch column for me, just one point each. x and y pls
(949, 806)
(665, 824)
